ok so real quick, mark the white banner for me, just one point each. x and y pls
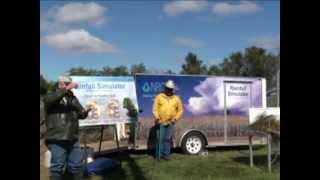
(238, 97)
(105, 95)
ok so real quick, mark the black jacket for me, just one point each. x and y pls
(63, 111)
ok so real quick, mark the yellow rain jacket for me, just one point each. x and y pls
(167, 108)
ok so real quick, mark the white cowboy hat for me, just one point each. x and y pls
(66, 79)
(170, 84)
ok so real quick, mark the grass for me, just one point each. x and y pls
(220, 164)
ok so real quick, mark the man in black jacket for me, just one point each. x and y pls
(63, 111)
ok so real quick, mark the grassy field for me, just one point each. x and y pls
(220, 164)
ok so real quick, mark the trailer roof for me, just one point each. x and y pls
(197, 75)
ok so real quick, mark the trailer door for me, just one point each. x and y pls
(237, 101)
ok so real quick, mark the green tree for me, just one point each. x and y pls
(120, 71)
(107, 71)
(234, 65)
(193, 65)
(138, 68)
(44, 85)
(254, 62)
(170, 72)
(80, 71)
(215, 70)
(262, 64)
(273, 67)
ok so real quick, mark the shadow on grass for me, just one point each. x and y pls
(259, 161)
(121, 173)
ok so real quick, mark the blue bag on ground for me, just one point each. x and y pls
(101, 166)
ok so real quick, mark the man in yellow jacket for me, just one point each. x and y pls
(167, 110)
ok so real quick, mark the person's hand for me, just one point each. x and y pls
(72, 85)
(61, 85)
(88, 109)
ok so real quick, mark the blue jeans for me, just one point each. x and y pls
(65, 153)
(164, 142)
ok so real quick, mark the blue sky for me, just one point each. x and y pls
(157, 33)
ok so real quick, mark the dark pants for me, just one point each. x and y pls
(65, 153)
(164, 140)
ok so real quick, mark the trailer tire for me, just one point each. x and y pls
(193, 143)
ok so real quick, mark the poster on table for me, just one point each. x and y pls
(106, 97)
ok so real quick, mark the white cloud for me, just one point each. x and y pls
(178, 7)
(211, 98)
(243, 7)
(270, 43)
(198, 105)
(79, 41)
(187, 41)
(71, 15)
(77, 12)
(52, 27)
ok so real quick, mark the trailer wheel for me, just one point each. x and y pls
(193, 143)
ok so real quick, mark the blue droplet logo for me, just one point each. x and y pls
(146, 87)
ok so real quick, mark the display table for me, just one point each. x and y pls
(273, 143)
